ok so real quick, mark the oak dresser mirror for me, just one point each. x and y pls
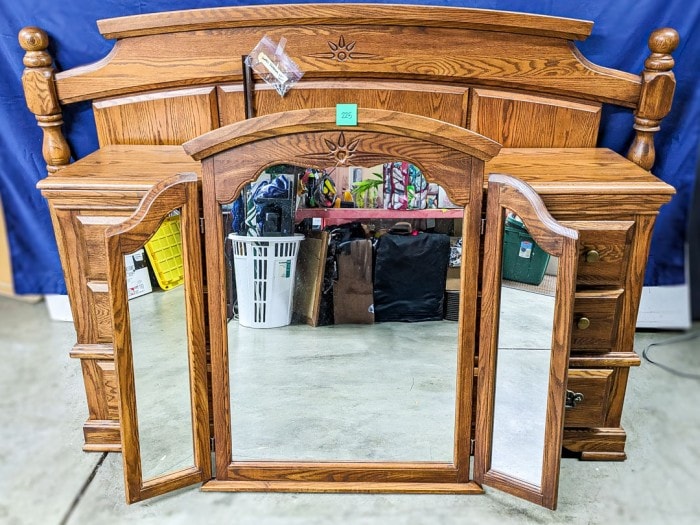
(284, 445)
(351, 385)
(527, 314)
(161, 363)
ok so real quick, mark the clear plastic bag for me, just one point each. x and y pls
(273, 65)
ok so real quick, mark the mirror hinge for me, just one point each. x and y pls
(201, 224)
(483, 226)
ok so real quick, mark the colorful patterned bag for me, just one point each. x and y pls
(396, 182)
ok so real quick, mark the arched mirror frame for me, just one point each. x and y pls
(177, 193)
(510, 194)
(448, 155)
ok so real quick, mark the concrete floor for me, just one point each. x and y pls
(45, 477)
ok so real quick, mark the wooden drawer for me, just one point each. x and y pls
(596, 314)
(596, 387)
(604, 248)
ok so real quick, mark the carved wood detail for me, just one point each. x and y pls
(658, 86)
(342, 51)
(40, 93)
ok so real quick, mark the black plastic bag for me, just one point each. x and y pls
(409, 277)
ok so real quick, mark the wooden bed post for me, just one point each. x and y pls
(40, 94)
(658, 85)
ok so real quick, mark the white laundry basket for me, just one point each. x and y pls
(265, 269)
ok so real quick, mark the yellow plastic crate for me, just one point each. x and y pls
(164, 251)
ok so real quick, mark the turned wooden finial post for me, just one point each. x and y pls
(658, 85)
(40, 94)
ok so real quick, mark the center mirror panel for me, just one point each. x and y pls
(378, 399)
(343, 297)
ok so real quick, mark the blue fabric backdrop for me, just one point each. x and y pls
(618, 40)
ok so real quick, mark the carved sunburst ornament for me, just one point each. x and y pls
(340, 150)
(342, 51)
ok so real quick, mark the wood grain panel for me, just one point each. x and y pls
(379, 51)
(231, 101)
(595, 385)
(93, 236)
(94, 389)
(109, 388)
(602, 309)
(101, 386)
(444, 103)
(165, 118)
(98, 293)
(519, 120)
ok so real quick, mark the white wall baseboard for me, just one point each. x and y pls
(58, 307)
(665, 307)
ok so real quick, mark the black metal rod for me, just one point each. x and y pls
(248, 85)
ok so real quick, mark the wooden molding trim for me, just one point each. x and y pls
(356, 14)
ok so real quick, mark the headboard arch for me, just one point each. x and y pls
(516, 78)
(515, 50)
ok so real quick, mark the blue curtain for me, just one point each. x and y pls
(618, 41)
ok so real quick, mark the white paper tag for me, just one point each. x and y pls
(284, 269)
(272, 68)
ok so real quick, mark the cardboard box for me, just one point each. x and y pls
(138, 282)
(453, 281)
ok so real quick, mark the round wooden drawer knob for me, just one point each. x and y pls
(583, 323)
(592, 256)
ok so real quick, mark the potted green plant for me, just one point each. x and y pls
(366, 192)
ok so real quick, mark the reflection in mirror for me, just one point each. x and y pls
(528, 289)
(527, 299)
(344, 378)
(160, 356)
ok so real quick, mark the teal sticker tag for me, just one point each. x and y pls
(346, 114)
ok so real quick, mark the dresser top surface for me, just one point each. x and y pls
(548, 170)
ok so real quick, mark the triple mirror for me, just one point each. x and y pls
(355, 406)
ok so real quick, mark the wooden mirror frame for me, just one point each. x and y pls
(235, 155)
(506, 192)
(179, 192)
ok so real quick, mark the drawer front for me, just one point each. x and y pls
(595, 385)
(596, 314)
(604, 249)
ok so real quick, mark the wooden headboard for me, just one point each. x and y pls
(515, 78)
